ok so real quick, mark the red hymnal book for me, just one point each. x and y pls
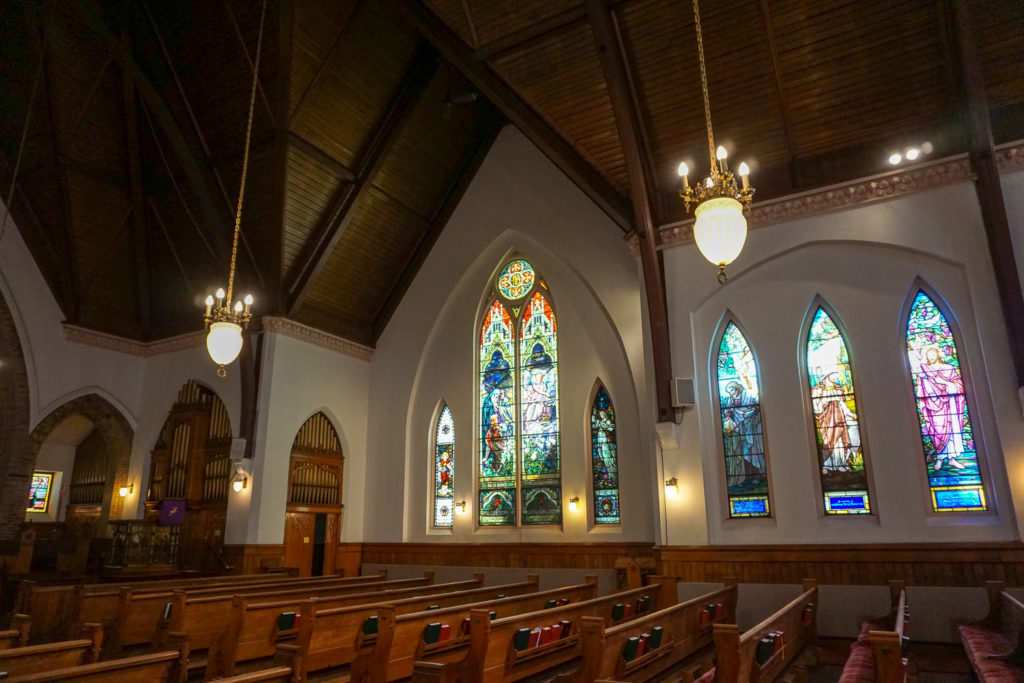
(566, 628)
(535, 637)
(705, 616)
(446, 633)
(547, 635)
(464, 629)
(642, 647)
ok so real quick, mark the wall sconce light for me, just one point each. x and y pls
(574, 503)
(460, 507)
(126, 489)
(240, 479)
(671, 487)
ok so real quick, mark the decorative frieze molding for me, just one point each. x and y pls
(110, 342)
(311, 335)
(895, 183)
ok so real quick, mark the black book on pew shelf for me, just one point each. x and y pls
(370, 626)
(566, 628)
(643, 603)
(712, 609)
(765, 650)
(432, 632)
(168, 608)
(464, 629)
(618, 610)
(286, 621)
(654, 642)
(430, 607)
(550, 603)
(493, 615)
(630, 648)
(521, 640)
(499, 596)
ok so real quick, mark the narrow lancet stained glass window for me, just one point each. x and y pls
(497, 504)
(520, 459)
(844, 481)
(444, 469)
(604, 458)
(947, 435)
(538, 353)
(746, 468)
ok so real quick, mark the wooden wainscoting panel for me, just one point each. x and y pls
(514, 555)
(919, 564)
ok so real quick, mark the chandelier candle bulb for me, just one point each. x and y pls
(220, 297)
(209, 304)
(683, 172)
(722, 156)
(745, 175)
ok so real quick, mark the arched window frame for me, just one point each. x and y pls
(516, 309)
(988, 493)
(435, 453)
(592, 489)
(820, 303)
(716, 342)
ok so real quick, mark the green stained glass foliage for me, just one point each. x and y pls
(497, 417)
(837, 427)
(538, 360)
(739, 393)
(444, 469)
(604, 458)
(947, 434)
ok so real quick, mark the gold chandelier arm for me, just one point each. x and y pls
(245, 156)
(704, 88)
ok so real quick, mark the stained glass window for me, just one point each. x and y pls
(520, 458)
(444, 469)
(746, 467)
(604, 458)
(947, 435)
(844, 481)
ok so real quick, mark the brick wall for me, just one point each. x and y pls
(16, 456)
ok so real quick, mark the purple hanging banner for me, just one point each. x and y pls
(172, 513)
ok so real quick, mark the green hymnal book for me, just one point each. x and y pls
(499, 596)
(432, 632)
(286, 621)
(630, 648)
(765, 649)
(493, 615)
(618, 610)
(430, 607)
(370, 626)
(654, 642)
(521, 640)
(550, 603)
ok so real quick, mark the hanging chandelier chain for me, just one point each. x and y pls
(245, 156)
(704, 88)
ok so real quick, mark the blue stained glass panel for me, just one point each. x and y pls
(497, 400)
(538, 360)
(746, 469)
(943, 415)
(604, 459)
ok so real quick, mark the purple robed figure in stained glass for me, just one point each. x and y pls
(942, 406)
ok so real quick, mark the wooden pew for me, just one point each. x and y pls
(492, 655)
(159, 667)
(139, 617)
(17, 634)
(206, 619)
(19, 661)
(277, 674)
(252, 632)
(60, 610)
(995, 645)
(736, 656)
(686, 629)
(877, 654)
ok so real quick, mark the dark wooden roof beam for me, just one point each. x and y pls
(299, 142)
(339, 214)
(629, 122)
(138, 202)
(516, 110)
(780, 88)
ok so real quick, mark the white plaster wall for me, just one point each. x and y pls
(517, 201)
(1013, 198)
(863, 262)
(298, 380)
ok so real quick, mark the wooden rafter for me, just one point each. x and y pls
(516, 110)
(138, 203)
(987, 183)
(485, 132)
(630, 126)
(339, 214)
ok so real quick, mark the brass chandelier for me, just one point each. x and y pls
(719, 227)
(224, 322)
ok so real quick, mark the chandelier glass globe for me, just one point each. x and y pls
(720, 229)
(224, 342)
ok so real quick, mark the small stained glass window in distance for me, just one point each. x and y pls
(516, 279)
(604, 459)
(444, 469)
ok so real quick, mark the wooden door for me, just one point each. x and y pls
(298, 541)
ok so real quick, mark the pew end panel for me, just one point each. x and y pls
(18, 634)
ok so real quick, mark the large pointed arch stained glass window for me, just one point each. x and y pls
(947, 434)
(739, 398)
(520, 457)
(604, 458)
(444, 469)
(837, 432)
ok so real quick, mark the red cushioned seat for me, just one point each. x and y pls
(979, 642)
(860, 665)
(708, 676)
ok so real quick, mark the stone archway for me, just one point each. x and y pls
(16, 457)
(112, 426)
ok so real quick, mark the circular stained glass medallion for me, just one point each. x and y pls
(516, 279)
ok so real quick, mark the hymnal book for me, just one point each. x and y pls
(618, 611)
(431, 632)
(493, 615)
(566, 628)
(765, 649)
(446, 633)
(430, 607)
(644, 644)
(285, 620)
(629, 650)
(808, 613)
(464, 629)
(521, 640)
(627, 611)
(551, 603)
(654, 642)
(705, 617)
(499, 596)
(547, 635)
(535, 637)
(168, 608)
(370, 626)
(712, 609)
(563, 601)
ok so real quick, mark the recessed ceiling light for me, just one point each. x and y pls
(912, 153)
(926, 147)
(895, 158)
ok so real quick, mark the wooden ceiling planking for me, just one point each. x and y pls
(497, 19)
(998, 29)
(573, 98)
(309, 187)
(661, 45)
(431, 145)
(452, 12)
(318, 26)
(356, 85)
